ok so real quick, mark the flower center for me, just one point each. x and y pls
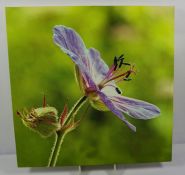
(117, 74)
(92, 94)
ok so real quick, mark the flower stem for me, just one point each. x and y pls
(61, 134)
(56, 149)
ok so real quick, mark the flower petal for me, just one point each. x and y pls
(117, 112)
(110, 89)
(72, 44)
(98, 67)
(136, 108)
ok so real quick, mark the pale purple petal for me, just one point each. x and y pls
(89, 61)
(89, 81)
(136, 108)
(111, 106)
(71, 43)
(98, 67)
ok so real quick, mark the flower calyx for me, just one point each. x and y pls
(67, 124)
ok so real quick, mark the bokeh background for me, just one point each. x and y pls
(145, 35)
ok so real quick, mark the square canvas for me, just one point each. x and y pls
(91, 85)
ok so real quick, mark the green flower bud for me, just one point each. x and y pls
(43, 120)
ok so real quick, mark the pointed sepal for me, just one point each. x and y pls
(63, 115)
(71, 126)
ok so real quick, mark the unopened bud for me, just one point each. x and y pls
(43, 120)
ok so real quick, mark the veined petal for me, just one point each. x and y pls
(90, 64)
(112, 107)
(136, 108)
(71, 43)
(98, 68)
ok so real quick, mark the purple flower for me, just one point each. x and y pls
(98, 82)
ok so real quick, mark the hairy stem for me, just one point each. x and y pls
(56, 149)
(61, 134)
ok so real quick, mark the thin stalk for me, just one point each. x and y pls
(61, 134)
(56, 149)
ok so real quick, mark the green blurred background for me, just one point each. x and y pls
(37, 66)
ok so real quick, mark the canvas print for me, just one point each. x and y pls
(91, 85)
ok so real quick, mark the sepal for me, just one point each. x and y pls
(70, 126)
(63, 115)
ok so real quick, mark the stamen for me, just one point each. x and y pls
(115, 63)
(121, 60)
(110, 71)
(118, 90)
(114, 67)
(125, 75)
(121, 75)
(109, 85)
(127, 79)
(109, 74)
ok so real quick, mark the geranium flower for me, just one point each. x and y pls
(98, 81)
